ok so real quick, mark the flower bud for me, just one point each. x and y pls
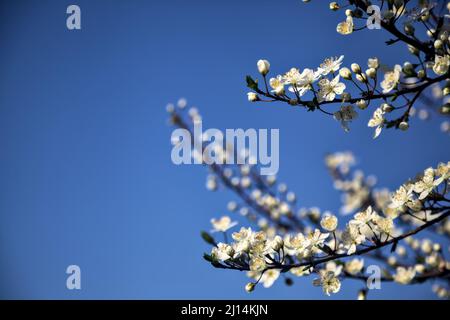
(387, 107)
(361, 77)
(430, 32)
(444, 35)
(345, 73)
(355, 68)
(403, 125)
(334, 6)
(361, 104)
(425, 16)
(421, 74)
(252, 97)
(348, 13)
(345, 96)
(371, 73)
(408, 69)
(438, 44)
(446, 91)
(249, 287)
(263, 67)
(445, 109)
(409, 29)
(413, 50)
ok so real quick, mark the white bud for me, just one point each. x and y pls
(334, 6)
(252, 97)
(361, 104)
(345, 73)
(263, 66)
(249, 287)
(371, 73)
(387, 108)
(403, 125)
(438, 44)
(355, 68)
(361, 77)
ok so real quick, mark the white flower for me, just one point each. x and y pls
(331, 266)
(345, 115)
(276, 243)
(296, 244)
(345, 27)
(424, 186)
(269, 277)
(400, 198)
(329, 222)
(292, 76)
(391, 79)
(351, 237)
(441, 64)
(385, 225)
(301, 83)
(329, 89)
(330, 65)
(263, 66)
(377, 121)
(222, 224)
(316, 239)
(354, 266)
(257, 264)
(329, 282)
(300, 271)
(364, 217)
(277, 85)
(223, 251)
(243, 234)
(404, 276)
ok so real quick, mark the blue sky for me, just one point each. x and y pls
(85, 164)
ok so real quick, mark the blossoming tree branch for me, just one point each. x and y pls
(404, 231)
(390, 92)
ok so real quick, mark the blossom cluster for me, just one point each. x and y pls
(393, 90)
(265, 254)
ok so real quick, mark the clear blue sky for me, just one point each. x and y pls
(86, 175)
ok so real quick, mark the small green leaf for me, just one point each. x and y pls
(252, 84)
(208, 239)
(208, 257)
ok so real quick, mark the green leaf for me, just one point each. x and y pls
(208, 257)
(208, 239)
(252, 84)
